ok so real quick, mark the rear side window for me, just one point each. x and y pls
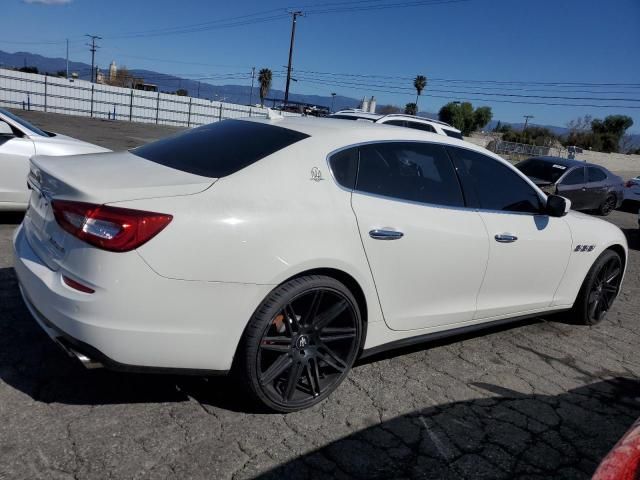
(495, 186)
(574, 177)
(417, 172)
(219, 149)
(344, 166)
(595, 174)
(452, 133)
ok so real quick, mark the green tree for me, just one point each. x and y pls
(182, 92)
(264, 78)
(419, 83)
(605, 135)
(411, 109)
(464, 117)
(482, 116)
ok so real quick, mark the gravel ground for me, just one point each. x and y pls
(539, 399)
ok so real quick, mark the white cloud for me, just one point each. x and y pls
(48, 2)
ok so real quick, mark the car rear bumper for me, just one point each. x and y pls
(143, 323)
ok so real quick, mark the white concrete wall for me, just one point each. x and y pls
(79, 97)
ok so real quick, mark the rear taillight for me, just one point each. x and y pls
(109, 228)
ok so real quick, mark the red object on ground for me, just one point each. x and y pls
(623, 461)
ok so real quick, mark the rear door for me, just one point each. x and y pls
(572, 186)
(427, 252)
(528, 250)
(14, 168)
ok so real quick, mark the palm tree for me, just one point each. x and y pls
(419, 83)
(264, 78)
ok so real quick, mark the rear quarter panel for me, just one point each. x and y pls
(262, 225)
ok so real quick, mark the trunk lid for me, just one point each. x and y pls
(96, 178)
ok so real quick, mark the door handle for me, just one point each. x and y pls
(385, 234)
(505, 238)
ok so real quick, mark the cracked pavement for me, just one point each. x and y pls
(536, 399)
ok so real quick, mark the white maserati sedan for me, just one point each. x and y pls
(283, 250)
(19, 141)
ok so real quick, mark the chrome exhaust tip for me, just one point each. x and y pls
(88, 363)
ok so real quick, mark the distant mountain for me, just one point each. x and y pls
(230, 93)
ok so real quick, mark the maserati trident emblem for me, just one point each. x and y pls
(316, 174)
(302, 342)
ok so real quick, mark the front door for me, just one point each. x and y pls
(528, 250)
(427, 252)
(573, 186)
(15, 153)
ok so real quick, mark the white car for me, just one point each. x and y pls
(632, 189)
(400, 120)
(285, 249)
(19, 141)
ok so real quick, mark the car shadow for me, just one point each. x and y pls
(11, 218)
(505, 434)
(633, 237)
(33, 364)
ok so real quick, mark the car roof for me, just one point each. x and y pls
(339, 133)
(378, 116)
(565, 162)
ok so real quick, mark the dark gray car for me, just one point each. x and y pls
(588, 186)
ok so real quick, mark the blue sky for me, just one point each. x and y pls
(464, 46)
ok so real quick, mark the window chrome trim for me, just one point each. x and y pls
(445, 144)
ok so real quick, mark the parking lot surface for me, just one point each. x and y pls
(537, 399)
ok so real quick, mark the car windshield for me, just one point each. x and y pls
(24, 123)
(219, 149)
(546, 170)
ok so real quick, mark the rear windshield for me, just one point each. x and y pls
(547, 171)
(219, 149)
(350, 117)
(453, 133)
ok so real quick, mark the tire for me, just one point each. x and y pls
(608, 205)
(601, 285)
(284, 361)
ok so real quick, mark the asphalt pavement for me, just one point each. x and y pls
(537, 399)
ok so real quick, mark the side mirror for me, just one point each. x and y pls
(5, 129)
(557, 206)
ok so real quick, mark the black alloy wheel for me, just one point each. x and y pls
(599, 290)
(301, 343)
(607, 206)
(604, 289)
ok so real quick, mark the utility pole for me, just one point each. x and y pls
(333, 99)
(92, 49)
(67, 59)
(253, 76)
(526, 121)
(294, 17)
(198, 89)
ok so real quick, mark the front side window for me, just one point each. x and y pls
(417, 172)
(595, 174)
(574, 177)
(494, 185)
(219, 149)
